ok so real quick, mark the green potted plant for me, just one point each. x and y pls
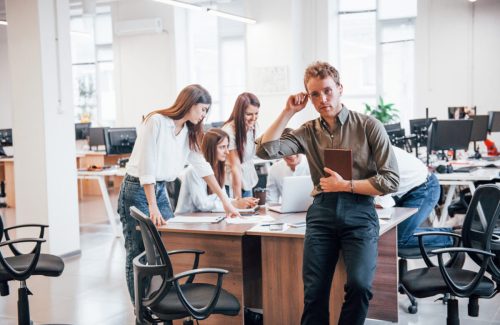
(384, 112)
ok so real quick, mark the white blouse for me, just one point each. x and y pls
(193, 195)
(248, 172)
(160, 155)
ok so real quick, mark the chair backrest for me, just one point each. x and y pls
(156, 254)
(481, 219)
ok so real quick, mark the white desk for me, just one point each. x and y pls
(468, 179)
(100, 177)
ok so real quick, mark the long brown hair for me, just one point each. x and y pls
(187, 98)
(238, 116)
(209, 149)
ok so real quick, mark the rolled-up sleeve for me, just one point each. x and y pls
(287, 145)
(387, 179)
(200, 165)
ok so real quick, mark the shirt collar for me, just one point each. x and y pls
(341, 117)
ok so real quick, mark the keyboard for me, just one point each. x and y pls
(465, 169)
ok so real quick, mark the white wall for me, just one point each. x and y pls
(457, 45)
(289, 34)
(145, 67)
(5, 102)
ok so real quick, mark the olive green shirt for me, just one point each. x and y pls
(372, 154)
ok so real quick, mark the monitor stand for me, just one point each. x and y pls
(477, 154)
(2, 152)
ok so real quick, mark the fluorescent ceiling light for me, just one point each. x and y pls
(3, 22)
(180, 4)
(231, 16)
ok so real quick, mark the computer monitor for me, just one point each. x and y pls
(6, 138)
(82, 131)
(120, 140)
(97, 138)
(420, 125)
(494, 121)
(392, 127)
(449, 135)
(479, 128)
(397, 137)
(461, 112)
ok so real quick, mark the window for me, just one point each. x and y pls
(217, 61)
(376, 45)
(92, 59)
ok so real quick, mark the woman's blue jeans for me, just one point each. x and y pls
(132, 194)
(424, 198)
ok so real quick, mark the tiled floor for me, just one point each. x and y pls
(92, 288)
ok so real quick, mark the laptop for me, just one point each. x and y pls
(296, 196)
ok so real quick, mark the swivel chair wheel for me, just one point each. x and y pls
(412, 309)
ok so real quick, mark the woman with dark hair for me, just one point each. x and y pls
(195, 195)
(240, 126)
(166, 140)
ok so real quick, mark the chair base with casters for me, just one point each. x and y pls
(456, 261)
(159, 294)
(20, 267)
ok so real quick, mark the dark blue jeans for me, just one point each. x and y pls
(347, 223)
(243, 192)
(132, 194)
(425, 198)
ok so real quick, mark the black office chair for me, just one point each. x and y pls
(159, 295)
(22, 266)
(456, 260)
(480, 243)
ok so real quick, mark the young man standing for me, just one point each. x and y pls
(342, 217)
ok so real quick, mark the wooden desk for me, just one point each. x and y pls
(467, 179)
(283, 292)
(265, 268)
(97, 158)
(7, 175)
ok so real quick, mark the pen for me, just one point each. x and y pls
(271, 224)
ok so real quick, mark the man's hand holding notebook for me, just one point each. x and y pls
(340, 162)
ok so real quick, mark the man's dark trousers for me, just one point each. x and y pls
(339, 222)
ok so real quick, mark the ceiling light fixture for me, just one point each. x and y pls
(231, 16)
(180, 4)
(208, 10)
(3, 22)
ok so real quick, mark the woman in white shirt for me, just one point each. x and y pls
(195, 195)
(240, 127)
(166, 140)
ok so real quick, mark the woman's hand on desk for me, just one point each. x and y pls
(245, 202)
(231, 211)
(156, 217)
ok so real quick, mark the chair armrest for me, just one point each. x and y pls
(196, 261)
(436, 233)
(440, 251)
(204, 312)
(27, 225)
(466, 290)
(197, 271)
(423, 251)
(26, 273)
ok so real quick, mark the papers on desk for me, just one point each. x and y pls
(271, 228)
(187, 219)
(385, 214)
(253, 219)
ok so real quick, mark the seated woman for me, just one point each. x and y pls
(194, 194)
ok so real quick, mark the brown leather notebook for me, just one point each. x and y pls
(340, 161)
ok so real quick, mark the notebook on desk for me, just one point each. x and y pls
(248, 211)
(296, 196)
(188, 219)
(340, 161)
